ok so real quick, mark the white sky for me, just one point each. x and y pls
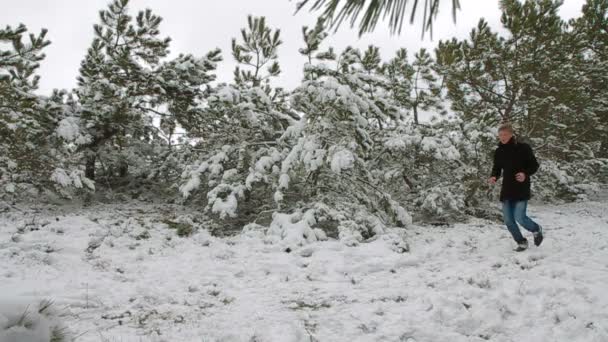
(199, 26)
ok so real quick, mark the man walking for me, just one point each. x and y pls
(516, 162)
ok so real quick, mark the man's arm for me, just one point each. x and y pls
(530, 163)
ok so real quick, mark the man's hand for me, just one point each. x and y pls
(520, 177)
(492, 180)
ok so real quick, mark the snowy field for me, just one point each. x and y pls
(121, 274)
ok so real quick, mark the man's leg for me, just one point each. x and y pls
(519, 211)
(509, 217)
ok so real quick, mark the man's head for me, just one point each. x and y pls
(505, 133)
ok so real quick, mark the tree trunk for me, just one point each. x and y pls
(604, 149)
(90, 166)
(123, 169)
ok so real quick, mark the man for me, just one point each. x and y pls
(516, 162)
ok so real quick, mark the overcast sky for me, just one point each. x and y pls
(199, 26)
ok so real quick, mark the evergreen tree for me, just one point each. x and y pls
(328, 172)
(23, 125)
(426, 91)
(132, 99)
(590, 35)
(415, 86)
(534, 78)
(313, 38)
(237, 133)
(258, 49)
(116, 83)
(32, 151)
(400, 74)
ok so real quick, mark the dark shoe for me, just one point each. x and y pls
(538, 236)
(522, 246)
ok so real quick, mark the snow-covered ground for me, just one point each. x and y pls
(120, 274)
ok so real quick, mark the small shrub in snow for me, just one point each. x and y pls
(296, 229)
(182, 229)
(32, 321)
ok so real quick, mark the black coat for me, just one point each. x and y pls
(510, 159)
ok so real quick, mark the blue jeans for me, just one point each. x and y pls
(514, 212)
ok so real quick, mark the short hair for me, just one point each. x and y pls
(505, 127)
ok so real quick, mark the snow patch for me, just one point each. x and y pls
(342, 160)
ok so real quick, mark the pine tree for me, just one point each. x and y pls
(590, 35)
(23, 123)
(426, 91)
(313, 38)
(535, 78)
(415, 86)
(258, 49)
(400, 74)
(132, 99)
(185, 82)
(32, 151)
(238, 129)
(475, 74)
(116, 82)
(327, 174)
